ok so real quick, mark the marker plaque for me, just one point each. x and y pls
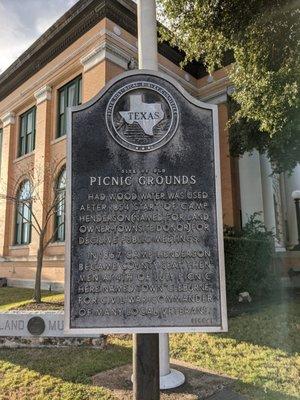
(144, 243)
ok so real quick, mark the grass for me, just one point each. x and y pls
(260, 352)
(16, 298)
(57, 374)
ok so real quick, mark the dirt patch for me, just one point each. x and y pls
(200, 384)
(44, 306)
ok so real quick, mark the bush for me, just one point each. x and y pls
(248, 261)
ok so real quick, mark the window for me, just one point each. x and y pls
(60, 198)
(1, 141)
(23, 214)
(27, 132)
(68, 95)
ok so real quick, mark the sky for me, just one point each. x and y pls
(23, 21)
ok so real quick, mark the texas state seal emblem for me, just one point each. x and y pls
(142, 116)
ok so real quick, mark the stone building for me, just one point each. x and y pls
(69, 64)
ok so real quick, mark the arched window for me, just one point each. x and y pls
(60, 198)
(23, 214)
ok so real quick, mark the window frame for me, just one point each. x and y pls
(65, 90)
(24, 136)
(21, 224)
(60, 218)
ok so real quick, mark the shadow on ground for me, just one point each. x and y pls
(72, 364)
(199, 385)
(111, 370)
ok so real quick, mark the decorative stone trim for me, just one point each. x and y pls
(8, 119)
(29, 283)
(105, 51)
(43, 94)
(230, 90)
(216, 98)
(40, 342)
(186, 84)
(117, 30)
(35, 324)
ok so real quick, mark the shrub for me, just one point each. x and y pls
(248, 261)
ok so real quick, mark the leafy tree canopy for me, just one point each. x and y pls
(263, 37)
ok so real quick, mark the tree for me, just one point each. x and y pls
(262, 37)
(35, 210)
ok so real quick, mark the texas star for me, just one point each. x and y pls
(147, 115)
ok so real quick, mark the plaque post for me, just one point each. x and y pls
(146, 366)
(146, 372)
(148, 59)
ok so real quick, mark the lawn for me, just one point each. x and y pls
(260, 352)
(58, 374)
(15, 298)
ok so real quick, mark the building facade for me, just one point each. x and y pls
(68, 65)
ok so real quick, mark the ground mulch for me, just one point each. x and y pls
(44, 306)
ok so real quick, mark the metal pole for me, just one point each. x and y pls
(147, 35)
(296, 197)
(169, 378)
(146, 367)
(148, 59)
(146, 346)
(297, 204)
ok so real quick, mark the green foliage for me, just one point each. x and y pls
(283, 149)
(248, 255)
(263, 37)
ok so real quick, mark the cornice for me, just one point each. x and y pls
(43, 94)
(72, 25)
(8, 119)
(105, 51)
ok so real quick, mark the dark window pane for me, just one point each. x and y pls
(80, 91)
(29, 122)
(23, 126)
(29, 144)
(62, 125)
(27, 132)
(72, 95)
(68, 95)
(62, 102)
(60, 207)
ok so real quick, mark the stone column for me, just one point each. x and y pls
(43, 171)
(292, 182)
(267, 193)
(8, 121)
(250, 186)
(228, 172)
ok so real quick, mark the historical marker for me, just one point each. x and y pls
(144, 224)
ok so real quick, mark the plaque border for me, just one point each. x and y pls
(223, 327)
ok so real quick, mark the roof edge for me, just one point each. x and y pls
(67, 29)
